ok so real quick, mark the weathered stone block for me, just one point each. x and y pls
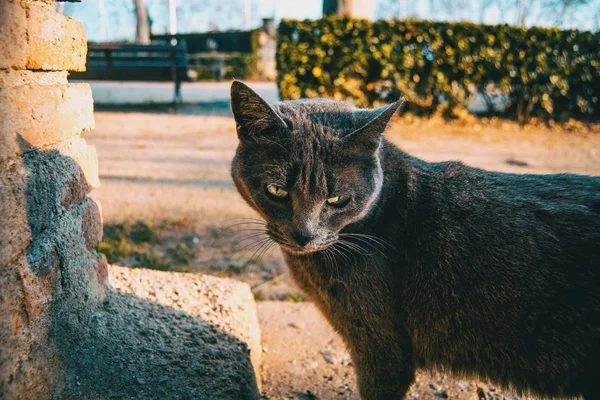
(39, 189)
(102, 270)
(56, 42)
(15, 233)
(23, 77)
(13, 35)
(37, 116)
(85, 156)
(91, 224)
(34, 36)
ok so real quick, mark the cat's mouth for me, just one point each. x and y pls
(303, 250)
(290, 246)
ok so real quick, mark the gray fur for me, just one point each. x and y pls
(430, 265)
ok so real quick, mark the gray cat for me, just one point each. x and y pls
(426, 265)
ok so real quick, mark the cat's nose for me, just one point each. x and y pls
(302, 235)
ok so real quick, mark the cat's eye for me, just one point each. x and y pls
(338, 201)
(277, 192)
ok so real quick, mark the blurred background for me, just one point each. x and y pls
(511, 86)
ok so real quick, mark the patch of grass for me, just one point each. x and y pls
(152, 261)
(114, 248)
(237, 268)
(294, 298)
(131, 240)
(260, 296)
(229, 269)
(181, 255)
(141, 232)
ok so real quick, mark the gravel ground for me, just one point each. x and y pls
(304, 359)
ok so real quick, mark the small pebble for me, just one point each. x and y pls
(329, 357)
(463, 384)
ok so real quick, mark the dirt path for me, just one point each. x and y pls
(172, 172)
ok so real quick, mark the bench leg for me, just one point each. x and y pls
(178, 98)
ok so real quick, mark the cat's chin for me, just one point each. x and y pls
(302, 251)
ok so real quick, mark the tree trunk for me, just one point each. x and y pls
(350, 8)
(142, 33)
(333, 7)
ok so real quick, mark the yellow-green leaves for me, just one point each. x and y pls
(545, 72)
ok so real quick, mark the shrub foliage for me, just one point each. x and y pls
(548, 73)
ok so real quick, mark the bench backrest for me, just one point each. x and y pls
(135, 63)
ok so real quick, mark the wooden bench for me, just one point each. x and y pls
(213, 62)
(125, 62)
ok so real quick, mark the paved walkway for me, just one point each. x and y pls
(116, 92)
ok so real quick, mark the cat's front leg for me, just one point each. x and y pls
(383, 373)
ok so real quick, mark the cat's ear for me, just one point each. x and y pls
(372, 124)
(252, 114)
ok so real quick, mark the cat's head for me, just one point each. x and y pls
(308, 167)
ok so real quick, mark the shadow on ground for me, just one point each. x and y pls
(131, 348)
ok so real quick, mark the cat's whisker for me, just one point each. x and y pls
(250, 246)
(264, 251)
(241, 221)
(355, 247)
(250, 224)
(332, 259)
(254, 247)
(247, 237)
(366, 237)
(371, 241)
(340, 252)
(258, 251)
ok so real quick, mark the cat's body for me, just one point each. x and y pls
(478, 273)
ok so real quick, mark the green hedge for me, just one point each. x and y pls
(239, 66)
(547, 73)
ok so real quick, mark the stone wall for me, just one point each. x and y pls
(50, 275)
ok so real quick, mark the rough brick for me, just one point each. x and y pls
(36, 37)
(13, 35)
(91, 224)
(102, 269)
(85, 155)
(35, 116)
(15, 232)
(38, 184)
(15, 77)
(75, 190)
(56, 42)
